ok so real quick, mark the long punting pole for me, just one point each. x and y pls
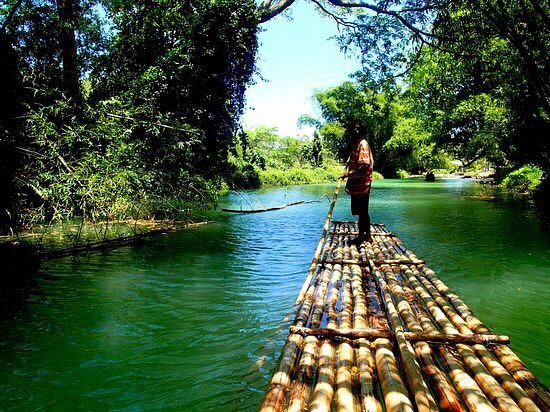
(315, 260)
(377, 330)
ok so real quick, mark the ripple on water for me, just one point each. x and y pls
(196, 320)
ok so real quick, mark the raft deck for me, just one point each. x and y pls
(376, 330)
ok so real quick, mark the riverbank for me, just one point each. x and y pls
(74, 237)
(272, 177)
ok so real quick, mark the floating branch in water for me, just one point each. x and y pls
(269, 209)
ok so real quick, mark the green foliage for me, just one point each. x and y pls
(300, 176)
(187, 65)
(283, 160)
(94, 171)
(523, 180)
(350, 102)
(127, 104)
(399, 139)
(471, 125)
(483, 90)
(402, 174)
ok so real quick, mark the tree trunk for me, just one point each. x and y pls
(67, 11)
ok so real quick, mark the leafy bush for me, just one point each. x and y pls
(402, 174)
(302, 176)
(523, 180)
(299, 176)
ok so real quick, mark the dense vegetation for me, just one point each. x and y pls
(476, 76)
(117, 109)
(114, 108)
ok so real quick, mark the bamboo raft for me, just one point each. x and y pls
(377, 330)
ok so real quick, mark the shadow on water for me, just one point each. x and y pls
(20, 268)
(195, 320)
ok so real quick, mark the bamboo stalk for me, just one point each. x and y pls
(527, 380)
(411, 367)
(280, 382)
(367, 333)
(449, 311)
(323, 391)
(365, 361)
(485, 380)
(300, 393)
(314, 262)
(393, 388)
(472, 395)
(424, 401)
(300, 390)
(437, 314)
(345, 400)
(462, 309)
(536, 391)
(446, 395)
(505, 379)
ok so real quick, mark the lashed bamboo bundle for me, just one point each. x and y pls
(378, 330)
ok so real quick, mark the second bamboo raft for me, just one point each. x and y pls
(376, 330)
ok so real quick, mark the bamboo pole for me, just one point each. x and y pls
(345, 400)
(365, 361)
(437, 314)
(411, 367)
(471, 393)
(393, 388)
(300, 390)
(461, 308)
(447, 309)
(367, 333)
(536, 391)
(485, 380)
(314, 262)
(323, 391)
(280, 382)
(500, 373)
(424, 401)
(446, 395)
(473, 397)
(483, 377)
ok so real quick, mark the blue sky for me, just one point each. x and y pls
(295, 58)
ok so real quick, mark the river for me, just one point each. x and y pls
(195, 320)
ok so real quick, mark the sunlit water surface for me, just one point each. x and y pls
(195, 320)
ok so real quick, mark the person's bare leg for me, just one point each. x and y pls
(364, 225)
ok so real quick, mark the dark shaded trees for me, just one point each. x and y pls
(121, 101)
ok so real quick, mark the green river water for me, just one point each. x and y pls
(195, 320)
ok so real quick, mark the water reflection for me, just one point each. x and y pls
(196, 320)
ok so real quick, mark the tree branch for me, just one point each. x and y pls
(270, 8)
(337, 19)
(10, 16)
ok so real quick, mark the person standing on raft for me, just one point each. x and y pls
(359, 169)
